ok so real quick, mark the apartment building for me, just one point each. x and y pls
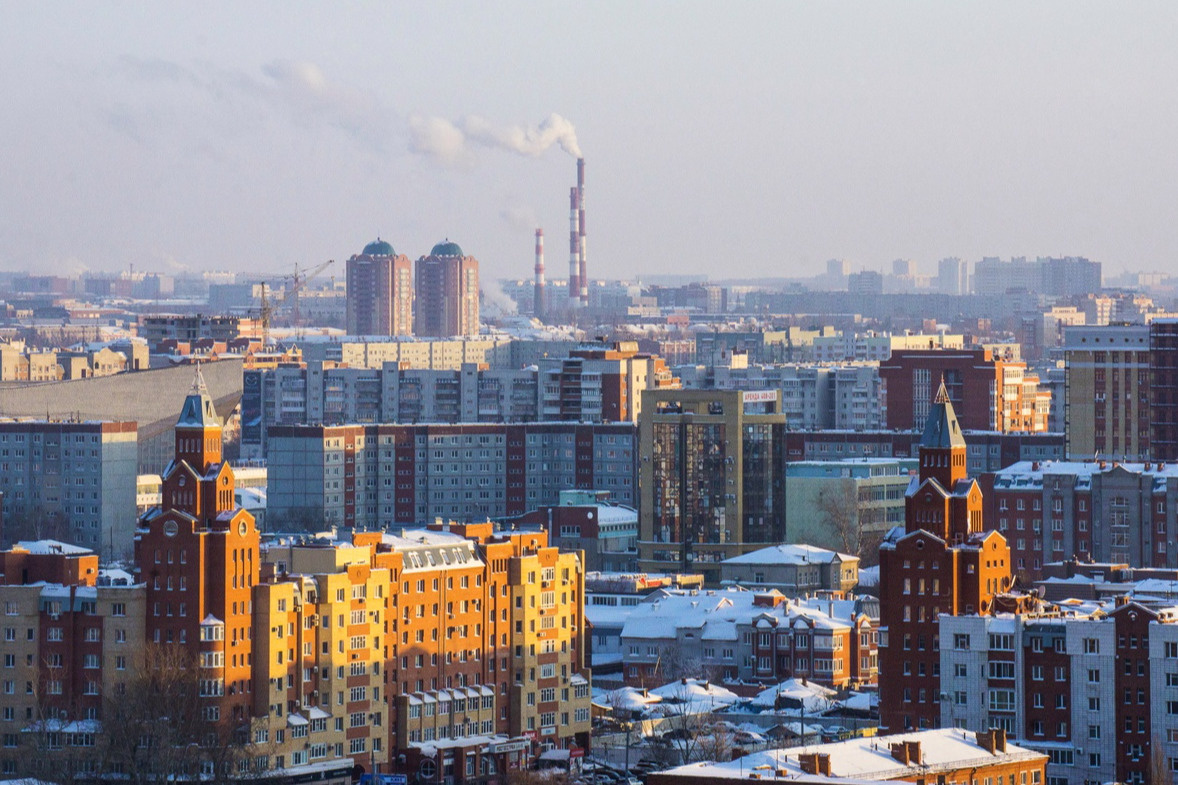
(375, 476)
(445, 354)
(871, 346)
(845, 504)
(812, 396)
(711, 477)
(446, 286)
(994, 394)
(73, 481)
(587, 521)
(319, 393)
(379, 291)
(588, 386)
(1102, 511)
(752, 636)
(72, 633)
(986, 451)
(600, 385)
(1106, 392)
(1095, 690)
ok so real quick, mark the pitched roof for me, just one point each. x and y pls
(941, 429)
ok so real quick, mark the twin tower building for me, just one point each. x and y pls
(387, 296)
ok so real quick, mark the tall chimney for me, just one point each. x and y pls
(574, 249)
(538, 290)
(582, 275)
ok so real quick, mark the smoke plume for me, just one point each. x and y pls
(452, 142)
(496, 302)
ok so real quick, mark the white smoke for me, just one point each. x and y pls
(439, 139)
(520, 217)
(496, 302)
(452, 142)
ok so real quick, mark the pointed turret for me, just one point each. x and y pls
(941, 430)
(942, 447)
(198, 430)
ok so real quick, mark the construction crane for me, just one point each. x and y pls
(298, 279)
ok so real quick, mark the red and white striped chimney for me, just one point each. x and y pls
(538, 290)
(574, 249)
(582, 274)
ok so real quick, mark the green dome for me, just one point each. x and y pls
(379, 248)
(446, 248)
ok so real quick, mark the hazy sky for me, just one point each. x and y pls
(722, 138)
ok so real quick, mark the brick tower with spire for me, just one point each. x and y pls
(198, 553)
(940, 561)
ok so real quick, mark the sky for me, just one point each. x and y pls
(742, 139)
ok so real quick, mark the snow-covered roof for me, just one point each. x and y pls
(718, 615)
(693, 696)
(810, 697)
(867, 759)
(50, 547)
(627, 699)
(789, 553)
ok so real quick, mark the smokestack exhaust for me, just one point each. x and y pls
(582, 274)
(538, 291)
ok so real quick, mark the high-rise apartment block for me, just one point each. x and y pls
(1107, 392)
(589, 386)
(995, 394)
(710, 477)
(74, 481)
(447, 286)
(812, 396)
(380, 292)
(1122, 391)
(376, 476)
(1058, 276)
(941, 562)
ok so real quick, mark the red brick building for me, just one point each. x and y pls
(198, 554)
(943, 562)
(993, 394)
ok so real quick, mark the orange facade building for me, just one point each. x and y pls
(459, 648)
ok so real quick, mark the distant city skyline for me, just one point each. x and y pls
(757, 140)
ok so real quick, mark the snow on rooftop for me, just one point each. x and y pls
(789, 553)
(49, 547)
(867, 759)
(793, 693)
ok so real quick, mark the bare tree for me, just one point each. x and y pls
(689, 731)
(155, 728)
(1159, 768)
(838, 506)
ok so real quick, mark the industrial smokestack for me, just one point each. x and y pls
(538, 291)
(582, 274)
(574, 249)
